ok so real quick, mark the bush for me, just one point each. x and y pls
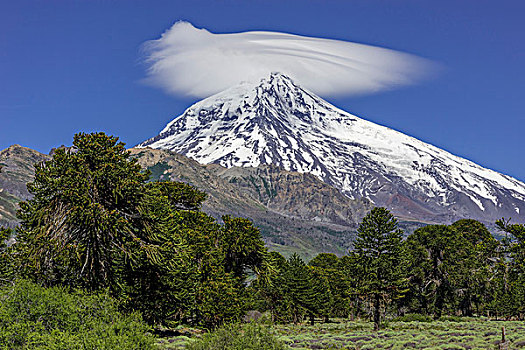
(451, 318)
(251, 336)
(33, 317)
(412, 318)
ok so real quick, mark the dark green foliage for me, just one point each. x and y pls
(236, 337)
(510, 292)
(198, 275)
(299, 288)
(162, 285)
(82, 214)
(7, 266)
(475, 254)
(242, 245)
(331, 276)
(179, 196)
(269, 291)
(378, 256)
(322, 297)
(295, 291)
(219, 300)
(429, 260)
(33, 317)
(453, 269)
(325, 261)
(473, 231)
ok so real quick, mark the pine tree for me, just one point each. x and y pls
(378, 254)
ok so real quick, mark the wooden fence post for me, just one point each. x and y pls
(504, 344)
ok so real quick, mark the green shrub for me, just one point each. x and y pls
(251, 336)
(456, 318)
(33, 317)
(412, 318)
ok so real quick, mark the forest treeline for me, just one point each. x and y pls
(97, 224)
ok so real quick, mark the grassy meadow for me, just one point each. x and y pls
(466, 334)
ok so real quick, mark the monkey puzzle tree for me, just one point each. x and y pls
(515, 279)
(6, 260)
(80, 221)
(474, 252)
(242, 245)
(378, 254)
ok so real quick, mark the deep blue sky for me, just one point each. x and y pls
(70, 66)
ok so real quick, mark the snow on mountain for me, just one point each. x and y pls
(277, 122)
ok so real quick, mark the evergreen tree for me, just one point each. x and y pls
(331, 281)
(378, 253)
(242, 245)
(6, 259)
(200, 275)
(273, 289)
(322, 301)
(515, 287)
(452, 268)
(429, 255)
(163, 287)
(299, 291)
(474, 254)
(81, 219)
(95, 222)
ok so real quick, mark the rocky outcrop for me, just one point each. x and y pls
(17, 169)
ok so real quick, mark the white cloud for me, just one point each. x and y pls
(195, 62)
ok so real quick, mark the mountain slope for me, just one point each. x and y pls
(294, 194)
(295, 212)
(278, 123)
(17, 169)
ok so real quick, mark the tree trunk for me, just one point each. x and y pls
(440, 301)
(312, 320)
(377, 312)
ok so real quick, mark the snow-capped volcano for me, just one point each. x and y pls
(277, 122)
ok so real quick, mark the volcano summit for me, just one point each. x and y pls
(277, 122)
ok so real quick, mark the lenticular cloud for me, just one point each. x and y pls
(195, 62)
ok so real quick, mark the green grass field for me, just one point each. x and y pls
(471, 334)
